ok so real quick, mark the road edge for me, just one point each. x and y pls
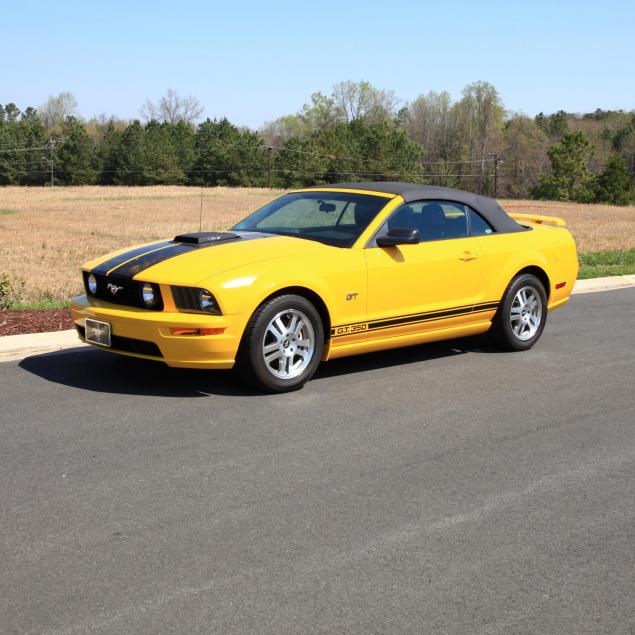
(17, 347)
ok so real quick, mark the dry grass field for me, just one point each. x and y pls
(46, 234)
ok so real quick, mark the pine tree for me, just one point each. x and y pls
(571, 179)
(75, 159)
(614, 185)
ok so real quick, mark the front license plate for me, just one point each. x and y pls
(98, 332)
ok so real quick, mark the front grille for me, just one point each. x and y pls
(129, 344)
(122, 291)
(186, 298)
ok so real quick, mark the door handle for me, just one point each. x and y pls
(468, 255)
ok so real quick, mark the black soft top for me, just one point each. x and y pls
(487, 207)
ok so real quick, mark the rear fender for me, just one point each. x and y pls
(519, 261)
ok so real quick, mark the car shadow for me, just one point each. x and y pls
(94, 370)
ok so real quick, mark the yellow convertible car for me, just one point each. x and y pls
(329, 271)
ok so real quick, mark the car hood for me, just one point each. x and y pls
(172, 262)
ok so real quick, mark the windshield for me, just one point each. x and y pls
(333, 218)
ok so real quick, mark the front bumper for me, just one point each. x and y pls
(131, 326)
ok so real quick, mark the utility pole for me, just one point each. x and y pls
(51, 160)
(269, 168)
(200, 215)
(497, 158)
(52, 145)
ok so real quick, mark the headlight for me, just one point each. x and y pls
(92, 284)
(148, 294)
(207, 302)
(195, 300)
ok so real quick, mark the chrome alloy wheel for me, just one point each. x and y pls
(526, 313)
(288, 344)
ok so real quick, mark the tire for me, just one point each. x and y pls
(282, 344)
(522, 314)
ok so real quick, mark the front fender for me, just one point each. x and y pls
(241, 291)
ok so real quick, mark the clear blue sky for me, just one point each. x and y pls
(255, 61)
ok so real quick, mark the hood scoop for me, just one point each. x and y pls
(205, 238)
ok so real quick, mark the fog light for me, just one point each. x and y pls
(92, 284)
(148, 294)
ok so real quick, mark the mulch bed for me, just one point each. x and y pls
(17, 322)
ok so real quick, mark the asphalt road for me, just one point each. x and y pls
(439, 489)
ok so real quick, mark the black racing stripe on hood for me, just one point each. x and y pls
(174, 249)
(111, 263)
(132, 268)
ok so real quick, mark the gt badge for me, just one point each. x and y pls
(351, 296)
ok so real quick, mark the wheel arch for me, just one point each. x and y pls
(540, 273)
(312, 297)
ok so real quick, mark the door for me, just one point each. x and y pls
(430, 285)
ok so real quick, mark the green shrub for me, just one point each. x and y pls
(6, 292)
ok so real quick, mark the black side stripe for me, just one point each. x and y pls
(413, 319)
(468, 308)
(106, 266)
(373, 327)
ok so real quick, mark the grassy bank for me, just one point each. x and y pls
(618, 262)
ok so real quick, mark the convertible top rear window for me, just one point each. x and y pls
(333, 218)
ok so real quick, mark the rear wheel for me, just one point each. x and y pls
(282, 345)
(522, 314)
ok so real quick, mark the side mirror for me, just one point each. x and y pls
(399, 237)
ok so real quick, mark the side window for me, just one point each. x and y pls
(478, 225)
(452, 225)
(439, 220)
(435, 220)
(402, 218)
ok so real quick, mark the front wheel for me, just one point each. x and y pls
(522, 314)
(282, 345)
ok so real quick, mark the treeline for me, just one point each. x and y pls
(358, 132)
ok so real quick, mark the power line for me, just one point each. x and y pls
(334, 157)
(259, 171)
(38, 148)
(241, 146)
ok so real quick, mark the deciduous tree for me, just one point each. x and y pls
(172, 108)
(361, 100)
(525, 156)
(57, 108)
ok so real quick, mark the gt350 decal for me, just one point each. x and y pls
(348, 329)
(429, 316)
